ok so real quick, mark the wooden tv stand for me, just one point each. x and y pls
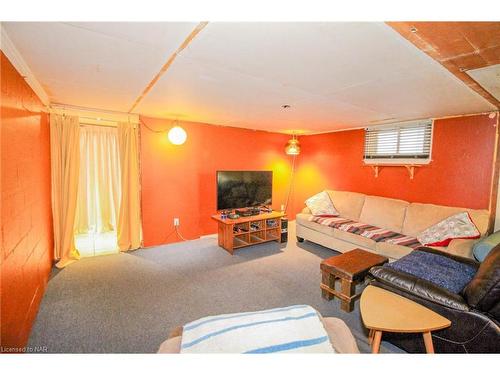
(248, 230)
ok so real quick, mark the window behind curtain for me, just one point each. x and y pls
(399, 143)
(99, 191)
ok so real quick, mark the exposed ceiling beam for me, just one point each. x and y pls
(457, 46)
(169, 62)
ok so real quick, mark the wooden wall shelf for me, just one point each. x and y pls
(410, 168)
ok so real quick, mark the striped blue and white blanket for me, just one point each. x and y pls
(293, 329)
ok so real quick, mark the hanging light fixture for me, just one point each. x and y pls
(177, 135)
(292, 146)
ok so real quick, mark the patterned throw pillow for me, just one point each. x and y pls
(458, 226)
(321, 205)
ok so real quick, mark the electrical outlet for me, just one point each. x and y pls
(282, 208)
(176, 222)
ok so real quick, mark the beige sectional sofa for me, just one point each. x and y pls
(393, 214)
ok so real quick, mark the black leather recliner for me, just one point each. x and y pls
(474, 313)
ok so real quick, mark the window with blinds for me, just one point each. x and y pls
(410, 142)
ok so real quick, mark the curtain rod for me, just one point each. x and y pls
(104, 126)
(69, 107)
(99, 119)
(94, 113)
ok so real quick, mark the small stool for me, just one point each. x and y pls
(351, 268)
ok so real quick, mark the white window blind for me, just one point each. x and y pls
(399, 141)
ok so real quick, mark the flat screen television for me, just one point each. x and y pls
(239, 189)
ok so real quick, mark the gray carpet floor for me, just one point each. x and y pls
(128, 302)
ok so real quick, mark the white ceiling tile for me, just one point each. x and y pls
(334, 75)
(319, 57)
(227, 93)
(489, 78)
(429, 93)
(95, 58)
(164, 35)
(87, 95)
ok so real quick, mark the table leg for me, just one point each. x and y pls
(429, 347)
(377, 337)
(329, 280)
(370, 336)
(347, 288)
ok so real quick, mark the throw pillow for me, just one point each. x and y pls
(482, 248)
(321, 205)
(458, 226)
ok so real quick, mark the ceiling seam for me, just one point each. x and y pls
(111, 36)
(304, 91)
(169, 62)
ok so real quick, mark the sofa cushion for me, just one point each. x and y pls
(391, 250)
(354, 239)
(303, 219)
(458, 247)
(340, 335)
(383, 212)
(420, 216)
(348, 204)
(359, 233)
(321, 205)
(483, 292)
(458, 226)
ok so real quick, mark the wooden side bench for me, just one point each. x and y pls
(351, 268)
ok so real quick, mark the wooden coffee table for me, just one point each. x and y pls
(351, 268)
(382, 310)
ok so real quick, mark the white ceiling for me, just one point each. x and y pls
(97, 65)
(334, 75)
(489, 78)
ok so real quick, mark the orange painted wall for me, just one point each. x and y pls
(179, 181)
(26, 225)
(459, 175)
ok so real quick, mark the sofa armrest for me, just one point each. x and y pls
(306, 210)
(419, 287)
(462, 247)
(464, 260)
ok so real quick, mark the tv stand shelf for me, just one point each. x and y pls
(249, 230)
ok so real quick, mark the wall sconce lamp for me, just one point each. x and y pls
(292, 146)
(177, 135)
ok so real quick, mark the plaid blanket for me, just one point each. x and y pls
(366, 230)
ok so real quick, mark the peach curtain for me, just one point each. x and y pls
(99, 191)
(129, 218)
(65, 163)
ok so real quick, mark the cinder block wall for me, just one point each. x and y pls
(26, 222)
